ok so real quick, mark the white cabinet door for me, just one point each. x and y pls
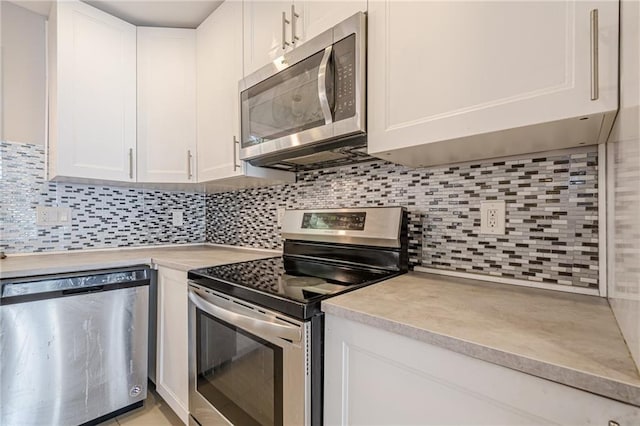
(172, 368)
(267, 34)
(219, 69)
(374, 377)
(316, 17)
(92, 94)
(218, 37)
(272, 28)
(166, 105)
(451, 71)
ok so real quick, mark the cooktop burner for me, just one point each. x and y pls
(292, 286)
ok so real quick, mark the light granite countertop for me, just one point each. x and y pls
(567, 338)
(178, 257)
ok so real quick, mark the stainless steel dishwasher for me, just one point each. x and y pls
(73, 347)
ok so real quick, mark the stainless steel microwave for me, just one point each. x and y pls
(308, 106)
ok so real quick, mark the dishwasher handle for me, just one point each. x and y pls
(30, 289)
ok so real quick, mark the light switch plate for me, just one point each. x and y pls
(177, 217)
(492, 217)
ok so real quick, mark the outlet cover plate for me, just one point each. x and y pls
(177, 217)
(492, 217)
(53, 216)
(280, 213)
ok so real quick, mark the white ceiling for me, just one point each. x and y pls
(152, 13)
(159, 13)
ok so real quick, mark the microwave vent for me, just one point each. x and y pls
(341, 156)
(319, 157)
(343, 151)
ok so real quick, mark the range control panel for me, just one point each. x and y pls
(369, 226)
(336, 221)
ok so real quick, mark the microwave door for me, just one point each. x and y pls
(296, 100)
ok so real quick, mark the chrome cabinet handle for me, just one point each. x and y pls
(130, 163)
(235, 161)
(189, 158)
(227, 312)
(322, 86)
(294, 16)
(285, 21)
(595, 83)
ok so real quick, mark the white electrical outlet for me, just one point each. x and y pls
(492, 217)
(42, 215)
(280, 214)
(177, 217)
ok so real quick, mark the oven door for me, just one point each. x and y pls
(247, 365)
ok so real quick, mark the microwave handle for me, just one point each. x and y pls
(322, 86)
(255, 325)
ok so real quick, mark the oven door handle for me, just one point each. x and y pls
(260, 327)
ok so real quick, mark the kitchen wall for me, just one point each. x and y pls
(623, 192)
(102, 216)
(23, 75)
(551, 198)
(552, 222)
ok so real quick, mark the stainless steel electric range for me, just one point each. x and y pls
(256, 328)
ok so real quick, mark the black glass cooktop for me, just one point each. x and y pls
(292, 286)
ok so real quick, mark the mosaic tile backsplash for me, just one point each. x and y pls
(102, 216)
(551, 213)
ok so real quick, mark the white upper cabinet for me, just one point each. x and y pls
(166, 105)
(219, 69)
(318, 16)
(92, 94)
(219, 42)
(267, 32)
(272, 28)
(456, 81)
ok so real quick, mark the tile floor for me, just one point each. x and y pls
(155, 412)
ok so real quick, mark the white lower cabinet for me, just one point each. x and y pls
(374, 377)
(172, 369)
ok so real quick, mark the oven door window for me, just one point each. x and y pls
(238, 373)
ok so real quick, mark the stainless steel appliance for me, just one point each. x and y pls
(73, 347)
(307, 109)
(256, 329)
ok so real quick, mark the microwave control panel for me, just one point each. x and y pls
(345, 72)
